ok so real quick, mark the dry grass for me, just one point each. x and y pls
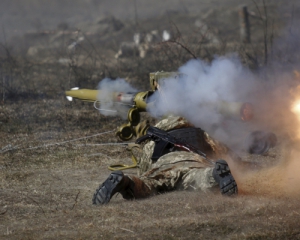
(46, 192)
(46, 187)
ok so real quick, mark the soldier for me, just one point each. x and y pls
(173, 169)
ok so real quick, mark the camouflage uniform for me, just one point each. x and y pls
(174, 170)
(178, 170)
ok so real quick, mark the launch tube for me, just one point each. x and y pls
(139, 100)
(132, 99)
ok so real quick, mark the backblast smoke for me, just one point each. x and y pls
(200, 90)
(273, 93)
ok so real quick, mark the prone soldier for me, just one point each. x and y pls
(172, 168)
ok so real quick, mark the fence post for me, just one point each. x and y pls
(3, 88)
(244, 25)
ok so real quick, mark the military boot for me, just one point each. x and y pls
(129, 187)
(223, 177)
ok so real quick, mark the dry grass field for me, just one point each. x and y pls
(50, 163)
(46, 191)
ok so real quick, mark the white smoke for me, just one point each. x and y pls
(108, 106)
(200, 87)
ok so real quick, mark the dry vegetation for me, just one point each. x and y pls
(49, 168)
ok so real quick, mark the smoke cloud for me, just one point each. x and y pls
(198, 92)
(108, 106)
(204, 90)
(210, 96)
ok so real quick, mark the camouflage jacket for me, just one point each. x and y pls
(169, 123)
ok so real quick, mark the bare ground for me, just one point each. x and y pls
(46, 192)
(48, 168)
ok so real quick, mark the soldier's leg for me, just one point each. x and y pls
(129, 186)
(211, 177)
(132, 187)
(170, 177)
(199, 179)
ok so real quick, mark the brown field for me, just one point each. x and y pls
(49, 167)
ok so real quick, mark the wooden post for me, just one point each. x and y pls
(244, 25)
(3, 89)
(3, 93)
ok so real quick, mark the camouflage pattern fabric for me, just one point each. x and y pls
(145, 162)
(172, 122)
(220, 151)
(179, 170)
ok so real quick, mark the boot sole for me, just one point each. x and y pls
(228, 186)
(222, 167)
(227, 183)
(108, 188)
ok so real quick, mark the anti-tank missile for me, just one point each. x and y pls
(139, 100)
(132, 103)
(82, 94)
(131, 99)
